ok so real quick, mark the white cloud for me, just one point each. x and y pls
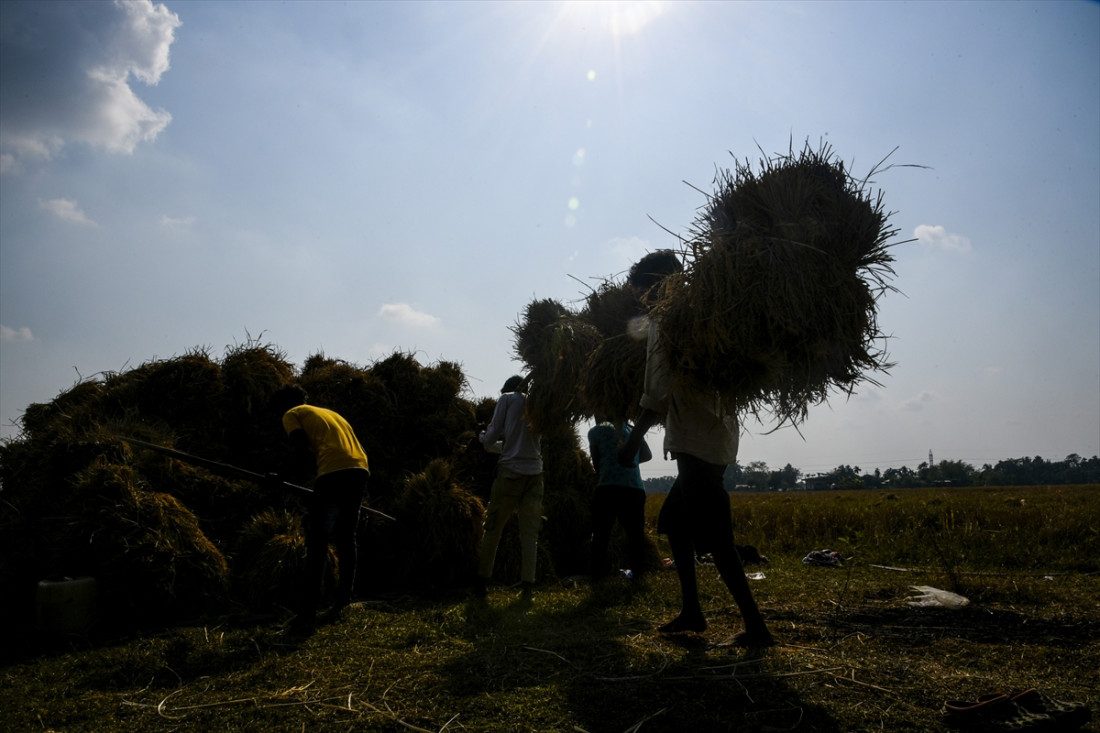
(66, 210)
(937, 237)
(65, 72)
(991, 371)
(15, 334)
(405, 314)
(176, 222)
(918, 403)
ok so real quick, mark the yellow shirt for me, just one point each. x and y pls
(331, 437)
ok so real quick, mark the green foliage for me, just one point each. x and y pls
(983, 528)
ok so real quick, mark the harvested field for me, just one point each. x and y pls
(853, 656)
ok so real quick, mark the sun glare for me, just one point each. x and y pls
(618, 17)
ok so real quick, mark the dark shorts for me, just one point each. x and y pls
(697, 505)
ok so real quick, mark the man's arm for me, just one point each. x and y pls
(634, 443)
(495, 430)
(303, 463)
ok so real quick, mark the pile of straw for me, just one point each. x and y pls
(554, 344)
(404, 413)
(152, 560)
(614, 372)
(442, 527)
(585, 363)
(777, 304)
(569, 479)
(269, 560)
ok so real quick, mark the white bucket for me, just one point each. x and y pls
(66, 606)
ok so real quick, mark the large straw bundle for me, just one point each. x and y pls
(269, 561)
(184, 392)
(776, 306)
(554, 344)
(252, 373)
(442, 527)
(569, 478)
(614, 371)
(424, 418)
(222, 505)
(145, 547)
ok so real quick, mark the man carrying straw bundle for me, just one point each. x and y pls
(325, 440)
(517, 488)
(702, 437)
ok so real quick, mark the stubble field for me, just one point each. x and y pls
(853, 655)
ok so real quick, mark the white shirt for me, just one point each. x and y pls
(695, 422)
(522, 450)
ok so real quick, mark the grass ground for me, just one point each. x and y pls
(853, 655)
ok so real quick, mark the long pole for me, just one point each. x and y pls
(218, 466)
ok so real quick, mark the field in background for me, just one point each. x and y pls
(852, 656)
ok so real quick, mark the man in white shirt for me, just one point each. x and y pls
(702, 437)
(517, 488)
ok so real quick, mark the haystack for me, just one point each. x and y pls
(570, 479)
(554, 345)
(222, 505)
(615, 369)
(441, 523)
(475, 467)
(181, 395)
(252, 373)
(146, 549)
(777, 303)
(404, 413)
(269, 561)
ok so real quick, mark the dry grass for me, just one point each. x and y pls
(853, 656)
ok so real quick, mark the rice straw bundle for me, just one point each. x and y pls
(569, 478)
(554, 344)
(443, 526)
(613, 376)
(269, 561)
(611, 307)
(776, 306)
(147, 549)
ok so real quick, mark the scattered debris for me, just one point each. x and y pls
(823, 558)
(929, 597)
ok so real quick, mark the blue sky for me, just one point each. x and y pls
(355, 178)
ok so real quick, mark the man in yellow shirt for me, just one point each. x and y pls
(325, 439)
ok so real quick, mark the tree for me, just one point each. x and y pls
(903, 476)
(784, 478)
(756, 475)
(847, 477)
(872, 480)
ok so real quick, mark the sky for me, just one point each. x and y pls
(356, 178)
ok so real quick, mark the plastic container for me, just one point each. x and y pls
(65, 606)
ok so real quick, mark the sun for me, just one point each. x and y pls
(618, 17)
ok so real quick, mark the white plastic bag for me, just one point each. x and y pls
(929, 597)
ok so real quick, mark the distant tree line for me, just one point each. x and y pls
(756, 476)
